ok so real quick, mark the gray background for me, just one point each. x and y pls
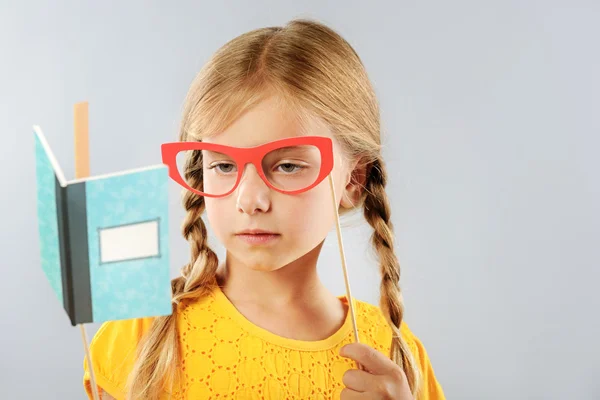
(491, 120)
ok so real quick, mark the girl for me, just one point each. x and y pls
(260, 325)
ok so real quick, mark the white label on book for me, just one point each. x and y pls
(127, 242)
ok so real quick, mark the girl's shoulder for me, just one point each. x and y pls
(113, 351)
(373, 323)
(114, 348)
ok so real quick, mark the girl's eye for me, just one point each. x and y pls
(290, 168)
(223, 167)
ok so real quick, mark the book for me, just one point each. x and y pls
(104, 242)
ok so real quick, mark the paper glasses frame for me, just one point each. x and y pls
(252, 155)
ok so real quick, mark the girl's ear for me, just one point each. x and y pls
(355, 183)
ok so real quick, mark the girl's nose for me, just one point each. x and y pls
(253, 194)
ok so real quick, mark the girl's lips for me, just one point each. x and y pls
(258, 238)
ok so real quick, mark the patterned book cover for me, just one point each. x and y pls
(104, 240)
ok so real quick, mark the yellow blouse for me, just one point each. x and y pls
(225, 356)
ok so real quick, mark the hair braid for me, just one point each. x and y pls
(377, 213)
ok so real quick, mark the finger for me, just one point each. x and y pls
(374, 361)
(358, 380)
(349, 394)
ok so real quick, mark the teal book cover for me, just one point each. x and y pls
(104, 240)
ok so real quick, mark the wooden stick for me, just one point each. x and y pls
(82, 170)
(82, 143)
(89, 359)
(343, 257)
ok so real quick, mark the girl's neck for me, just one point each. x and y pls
(290, 302)
(294, 284)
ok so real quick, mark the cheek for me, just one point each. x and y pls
(311, 216)
(217, 215)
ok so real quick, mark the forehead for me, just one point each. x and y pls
(268, 121)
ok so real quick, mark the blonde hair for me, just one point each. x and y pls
(317, 73)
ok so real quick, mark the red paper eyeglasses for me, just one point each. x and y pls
(291, 165)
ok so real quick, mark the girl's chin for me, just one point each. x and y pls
(260, 261)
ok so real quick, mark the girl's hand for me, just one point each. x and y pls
(383, 379)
